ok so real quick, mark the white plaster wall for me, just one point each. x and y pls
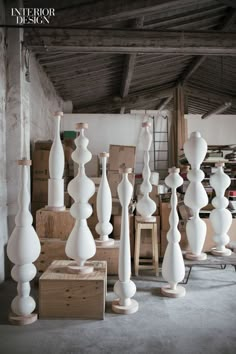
(44, 101)
(216, 130)
(106, 129)
(3, 184)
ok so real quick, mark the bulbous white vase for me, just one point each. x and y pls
(173, 269)
(146, 206)
(23, 249)
(80, 245)
(56, 169)
(221, 218)
(104, 207)
(125, 288)
(195, 198)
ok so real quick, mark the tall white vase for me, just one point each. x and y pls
(195, 197)
(23, 249)
(56, 169)
(124, 288)
(104, 206)
(146, 206)
(80, 245)
(221, 218)
(173, 269)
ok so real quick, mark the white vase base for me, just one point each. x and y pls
(22, 320)
(125, 310)
(174, 293)
(107, 243)
(53, 208)
(195, 257)
(143, 219)
(73, 267)
(226, 252)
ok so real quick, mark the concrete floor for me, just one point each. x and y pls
(204, 321)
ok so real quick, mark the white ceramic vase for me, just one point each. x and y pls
(195, 198)
(125, 288)
(146, 206)
(104, 207)
(56, 169)
(173, 269)
(23, 249)
(221, 218)
(80, 245)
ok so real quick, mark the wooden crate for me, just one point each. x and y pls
(54, 249)
(63, 294)
(109, 254)
(54, 224)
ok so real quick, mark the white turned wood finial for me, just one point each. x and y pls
(124, 288)
(23, 249)
(146, 206)
(104, 207)
(56, 169)
(173, 269)
(195, 198)
(80, 245)
(221, 218)
(80, 126)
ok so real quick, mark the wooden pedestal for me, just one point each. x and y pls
(63, 294)
(52, 249)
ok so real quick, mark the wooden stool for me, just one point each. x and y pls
(145, 225)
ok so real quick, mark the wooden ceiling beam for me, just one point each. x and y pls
(196, 62)
(112, 103)
(209, 96)
(135, 41)
(163, 103)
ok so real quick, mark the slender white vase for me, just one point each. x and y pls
(80, 245)
(23, 249)
(125, 288)
(195, 197)
(221, 218)
(173, 269)
(146, 206)
(56, 169)
(104, 206)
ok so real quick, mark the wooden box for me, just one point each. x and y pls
(54, 224)
(63, 294)
(52, 249)
(110, 254)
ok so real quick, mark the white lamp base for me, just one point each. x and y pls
(178, 292)
(104, 243)
(195, 257)
(226, 252)
(125, 310)
(22, 320)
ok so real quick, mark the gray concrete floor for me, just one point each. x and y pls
(204, 321)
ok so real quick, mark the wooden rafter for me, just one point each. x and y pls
(134, 41)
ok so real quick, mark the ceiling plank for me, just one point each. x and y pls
(112, 103)
(129, 65)
(196, 62)
(209, 96)
(135, 41)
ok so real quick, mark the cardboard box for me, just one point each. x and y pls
(114, 179)
(40, 166)
(121, 154)
(165, 213)
(116, 207)
(116, 222)
(40, 191)
(63, 294)
(43, 145)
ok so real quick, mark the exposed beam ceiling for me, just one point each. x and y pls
(134, 41)
(209, 96)
(164, 103)
(196, 62)
(136, 99)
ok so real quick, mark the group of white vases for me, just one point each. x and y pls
(24, 247)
